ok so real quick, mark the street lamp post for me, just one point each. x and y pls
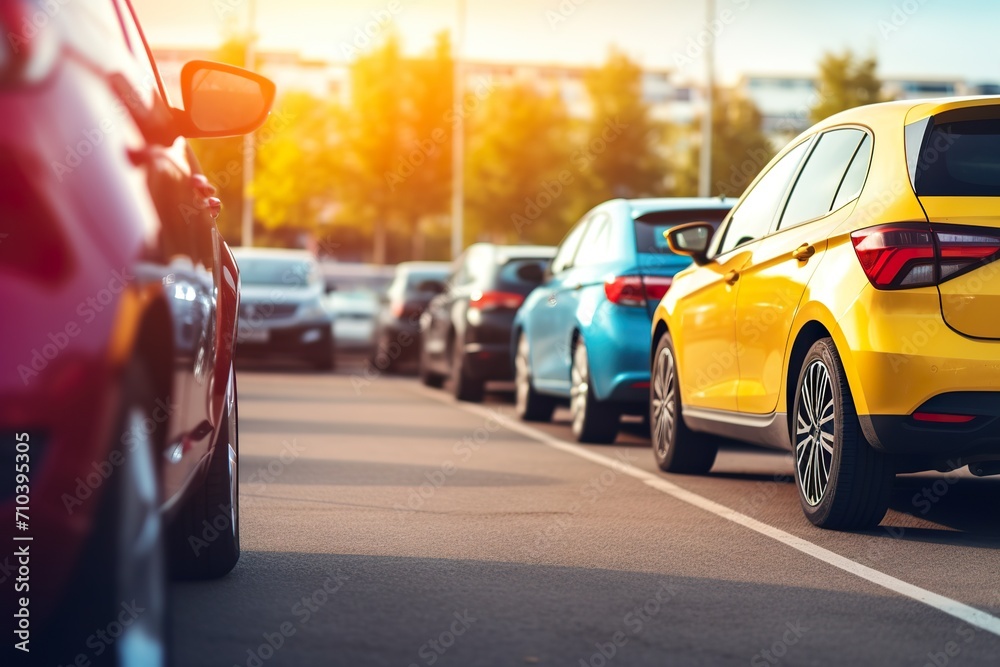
(705, 165)
(249, 148)
(458, 140)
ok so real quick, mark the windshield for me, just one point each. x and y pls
(415, 279)
(509, 281)
(269, 271)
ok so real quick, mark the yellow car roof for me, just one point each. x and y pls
(902, 112)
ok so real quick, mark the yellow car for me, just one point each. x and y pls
(847, 310)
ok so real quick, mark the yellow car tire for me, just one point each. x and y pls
(843, 482)
(676, 447)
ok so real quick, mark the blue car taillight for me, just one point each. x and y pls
(636, 290)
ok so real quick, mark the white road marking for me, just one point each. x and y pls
(963, 612)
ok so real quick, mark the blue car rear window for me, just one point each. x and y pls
(649, 228)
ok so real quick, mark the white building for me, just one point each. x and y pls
(289, 71)
(784, 100)
(292, 73)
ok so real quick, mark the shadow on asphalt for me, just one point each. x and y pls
(384, 610)
(962, 507)
(334, 472)
(967, 505)
(293, 427)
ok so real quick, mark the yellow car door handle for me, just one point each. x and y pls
(803, 252)
(732, 277)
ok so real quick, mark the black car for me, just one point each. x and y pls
(467, 328)
(397, 328)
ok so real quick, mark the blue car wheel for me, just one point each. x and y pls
(594, 421)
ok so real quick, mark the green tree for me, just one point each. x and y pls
(739, 147)
(397, 150)
(519, 181)
(374, 134)
(294, 179)
(625, 154)
(421, 182)
(845, 81)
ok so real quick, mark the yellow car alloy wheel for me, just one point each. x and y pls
(843, 482)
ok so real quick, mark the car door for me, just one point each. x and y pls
(774, 280)
(576, 304)
(706, 342)
(549, 347)
(188, 262)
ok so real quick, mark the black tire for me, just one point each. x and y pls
(528, 403)
(389, 366)
(594, 421)
(676, 448)
(120, 583)
(324, 362)
(843, 482)
(323, 359)
(465, 387)
(205, 532)
(646, 427)
(428, 377)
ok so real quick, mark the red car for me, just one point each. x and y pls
(119, 298)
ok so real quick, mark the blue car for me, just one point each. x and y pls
(584, 334)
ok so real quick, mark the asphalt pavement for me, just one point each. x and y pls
(385, 524)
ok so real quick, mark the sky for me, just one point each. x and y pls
(910, 38)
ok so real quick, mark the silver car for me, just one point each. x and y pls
(357, 290)
(282, 310)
